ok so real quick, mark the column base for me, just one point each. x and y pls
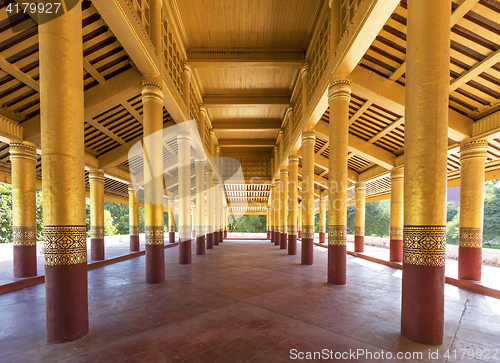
(171, 237)
(277, 238)
(225, 234)
(396, 250)
(97, 249)
(210, 241)
(216, 238)
(155, 264)
(200, 245)
(221, 236)
(470, 263)
(268, 234)
(422, 309)
(134, 243)
(322, 238)
(292, 244)
(359, 243)
(272, 236)
(337, 258)
(67, 302)
(283, 241)
(306, 257)
(24, 261)
(185, 252)
(299, 234)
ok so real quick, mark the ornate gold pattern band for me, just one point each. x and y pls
(64, 245)
(322, 229)
(424, 245)
(154, 235)
(359, 231)
(307, 231)
(97, 232)
(185, 232)
(24, 236)
(171, 229)
(397, 233)
(133, 230)
(200, 230)
(292, 229)
(337, 235)
(470, 237)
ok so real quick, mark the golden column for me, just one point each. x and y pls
(225, 221)
(277, 208)
(23, 166)
(215, 212)
(304, 73)
(152, 100)
(284, 207)
(184, 157)
(268, 215)
(470, 240)
(200, 205)
(299, 220)
(397, 196)
(293, 165)
(63, 175)
(426, 144)
(359, 217)
(96, 181)
(322, 215)
(308, 139)
(209, 214)
(272, 211)
(186, 86)
(133, 217)
(339, 96)
(171, 219)
(221, 212)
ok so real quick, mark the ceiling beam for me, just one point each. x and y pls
(361, 147)
(475, 71)
(248, 125)
(370, 18)
(96, 100)
(359, 112)
(458, 14)
(202, 58)
(247, 143)
(22, 77)
(388, 129)
(245, 101)
(323, 163)
(391, 95)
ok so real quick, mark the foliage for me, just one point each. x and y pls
(451, 211)
(6, 213)
(452, 229)
(109, 226)
(119, 213)
(247, 223)
(377, 218)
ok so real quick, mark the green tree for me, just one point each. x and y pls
(377, 218)
(109, 226)
(451, 210)
(247, 223)
(452, 229)
(119, 213)
(5, 213)
(39, 215)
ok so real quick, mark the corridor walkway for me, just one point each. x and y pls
(243, 301)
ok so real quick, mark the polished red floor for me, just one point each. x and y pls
(242, 301)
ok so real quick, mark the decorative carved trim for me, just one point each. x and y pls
(424, 245)
(473, 149)
(22, 151)
(322, 229)
(64, 245)
(154, 235)
(470, 237)
(397, 233)
(243, 55)
(96, 175)
(359, 231)
(292, 229)
(244, 100)
(97, 232)
(307, 231)
(24, 236)
(337, 235)
(11, 129)
(133, 230)
(308, 136)
(185, 232)
(340, 89)
(171, 229)
(200, 230)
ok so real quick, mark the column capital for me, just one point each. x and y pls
(339, 88)
(308, 135)
(293, 159)
(284, 171)
(187, 68)
(397, 173)
(184, 135)
(24, 150)
(151, 89)
(96, 175)
(289, 109)
(473, 149)
(360, 186)
(203, 109)
(304, 70)
(199, 159)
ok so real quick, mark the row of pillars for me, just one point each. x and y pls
(418, 193)
(63, 184)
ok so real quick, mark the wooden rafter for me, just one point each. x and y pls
(388, 129)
